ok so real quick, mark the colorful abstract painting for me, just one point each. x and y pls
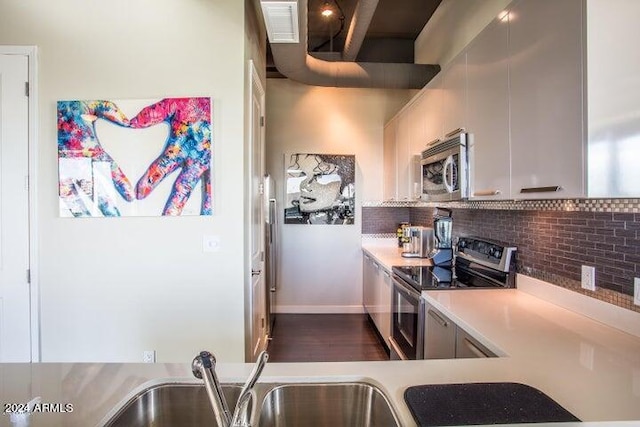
(135, 157)
(320, 189)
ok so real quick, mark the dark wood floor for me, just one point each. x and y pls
(324, 338)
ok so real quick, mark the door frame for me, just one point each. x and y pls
(31, 52)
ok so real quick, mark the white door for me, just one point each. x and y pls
(256, 148)
(15, 329)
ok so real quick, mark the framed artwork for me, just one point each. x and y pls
(134, 157)
(320, 189)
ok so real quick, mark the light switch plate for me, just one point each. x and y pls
(149, 356)
(589, 277)
(636, 291)
(210, 243)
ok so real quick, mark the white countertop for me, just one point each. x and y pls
(591, 369)
(388, 254)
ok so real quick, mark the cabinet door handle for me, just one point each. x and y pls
(438, 319)
(486, 193)
(375, 265)
(386, 273)
(455, 131)
(549, 189)
(474, 349)
(256, 272)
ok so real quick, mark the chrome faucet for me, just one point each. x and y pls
(203, 367)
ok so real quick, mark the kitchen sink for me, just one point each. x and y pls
(330, 404)
(290, 404)
(172, 405)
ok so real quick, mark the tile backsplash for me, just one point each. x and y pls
(552, 244)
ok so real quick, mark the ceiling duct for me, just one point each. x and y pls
(358, 28)
(293, 61)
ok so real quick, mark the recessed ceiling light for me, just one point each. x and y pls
(326, 11)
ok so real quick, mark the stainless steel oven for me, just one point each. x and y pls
(445, 170)
(479, 263)
(407, 322)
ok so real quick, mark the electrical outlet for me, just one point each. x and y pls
(636, 290)
(149, 356)
(589, 277)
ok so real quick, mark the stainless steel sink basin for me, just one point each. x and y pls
(171, 405)
(278, 405)
(330, 404)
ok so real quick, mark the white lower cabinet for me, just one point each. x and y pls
(468, 347)
(368, 285)
(443, 339)
(376, 295)
(439, 335)
(385, 288)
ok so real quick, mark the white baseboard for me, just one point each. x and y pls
(319, 309)
(609, 314)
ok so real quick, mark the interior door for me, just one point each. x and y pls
(257, 168)
(15, 329)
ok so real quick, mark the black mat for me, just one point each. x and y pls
(482, 403)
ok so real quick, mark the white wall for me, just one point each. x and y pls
(321, 265)
(453, 25)
(113, 287)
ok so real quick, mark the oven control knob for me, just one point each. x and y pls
(497, 254)
(462, 243)
(492, 251)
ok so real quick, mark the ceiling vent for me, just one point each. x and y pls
(281, 20)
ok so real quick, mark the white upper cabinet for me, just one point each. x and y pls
(546, 87)
(432, 111)
(488, 113)
(551, 104)
(389, 161)
(403, 157)
(417, 113)
(613, 86)
(454, 95)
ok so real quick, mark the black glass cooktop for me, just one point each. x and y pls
(424, 278)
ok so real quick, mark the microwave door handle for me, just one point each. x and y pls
(447, 177)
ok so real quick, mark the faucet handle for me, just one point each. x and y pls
(257, 370)
(241, 412)
(204, 360)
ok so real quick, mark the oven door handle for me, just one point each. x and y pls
(396, 349)
(406, 289)
(447, 174)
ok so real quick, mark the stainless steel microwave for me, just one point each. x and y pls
(445, 169)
